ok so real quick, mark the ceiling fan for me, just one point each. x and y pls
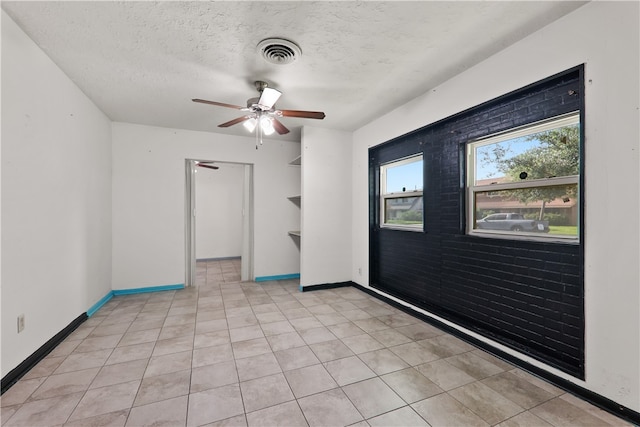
(205, 165)
(261, 113)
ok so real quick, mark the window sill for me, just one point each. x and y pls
(402, 228)
(529, 237)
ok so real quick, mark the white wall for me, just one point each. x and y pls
(326, 206)
(604, 36)
(219, 211)
(149, 201)
(56, 198)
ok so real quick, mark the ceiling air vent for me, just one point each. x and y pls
(279, 51)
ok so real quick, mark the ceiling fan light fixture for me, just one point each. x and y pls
(279, 51)
(267, 125)
(250, 124)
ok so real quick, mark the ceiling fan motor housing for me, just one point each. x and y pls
(252, 101)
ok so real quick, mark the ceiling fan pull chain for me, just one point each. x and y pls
(258, 134)
(261, 133)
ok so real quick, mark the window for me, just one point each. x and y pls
(525, 182)
(401, 185)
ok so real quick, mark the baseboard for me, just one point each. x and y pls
(278, 277)
(224, 258)
(177, 286)
(113, 293)
(19, 371)
(95, 307)
(310, 288)
(602, 402)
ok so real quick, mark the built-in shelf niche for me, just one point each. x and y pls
(297, 161)
(297, 199)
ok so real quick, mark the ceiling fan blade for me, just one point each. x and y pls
(303, 114)
(279, 127)
(220, 104)
(207, 166)
(268, 98)
(234, 121)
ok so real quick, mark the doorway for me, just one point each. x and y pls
(218, 222)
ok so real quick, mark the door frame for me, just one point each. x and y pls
(190, 221)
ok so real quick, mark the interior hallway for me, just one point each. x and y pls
(238, 354)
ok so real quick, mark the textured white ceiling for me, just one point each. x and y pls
(142, 62)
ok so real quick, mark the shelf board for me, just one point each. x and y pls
(295, 198)
(295, 233)
(297, 161)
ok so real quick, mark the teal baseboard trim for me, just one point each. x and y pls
(95, 307)
(279, 277)
(148, 289)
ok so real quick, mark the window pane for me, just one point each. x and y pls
(552, 210)
(551, 153)
(404, 177)
(403, 210)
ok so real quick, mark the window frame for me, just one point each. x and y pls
(384, 196)
(472, 189)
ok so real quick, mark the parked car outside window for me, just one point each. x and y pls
(511, 222)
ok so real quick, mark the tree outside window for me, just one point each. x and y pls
(532, 172)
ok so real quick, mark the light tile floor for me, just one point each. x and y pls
(218, 271)
(268, 355)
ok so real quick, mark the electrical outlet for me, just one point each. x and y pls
(20, 323)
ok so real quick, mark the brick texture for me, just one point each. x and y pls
(526, 295)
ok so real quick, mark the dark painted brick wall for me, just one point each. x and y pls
(527, 295)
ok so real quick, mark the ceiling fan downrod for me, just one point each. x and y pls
(260, 85)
